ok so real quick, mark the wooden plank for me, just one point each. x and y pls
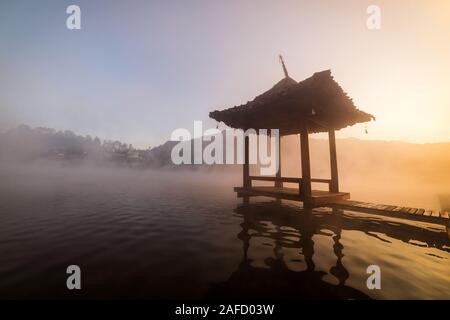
(318, 197)
(420, 211)
(321, 180)
(348, 202)
(404, 210)
(282, 179)
(435, 214)
(362, 205)
(444, 215)
(427, 213)
(397, 209)
(381, 207)
(412, 210)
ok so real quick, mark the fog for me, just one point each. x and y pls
(396, 173)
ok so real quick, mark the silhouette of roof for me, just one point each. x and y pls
(319, 100)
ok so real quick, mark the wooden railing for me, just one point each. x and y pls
(289, 180)
(282, 179)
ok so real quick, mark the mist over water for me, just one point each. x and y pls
(385, 172)
(183, 234)
(128, 230)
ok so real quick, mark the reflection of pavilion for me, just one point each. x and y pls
(277, 280)
(317, 104)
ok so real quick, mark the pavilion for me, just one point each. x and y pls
(316, 104)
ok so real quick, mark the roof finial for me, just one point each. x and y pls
(286, 75)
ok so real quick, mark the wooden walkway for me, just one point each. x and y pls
(416, 214)
(341, 200)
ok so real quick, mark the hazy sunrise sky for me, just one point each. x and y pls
(139, 69)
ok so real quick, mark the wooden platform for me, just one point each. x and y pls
(340, 200)
(416, 214)
(318, 198)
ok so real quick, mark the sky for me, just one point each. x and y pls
(137, 70)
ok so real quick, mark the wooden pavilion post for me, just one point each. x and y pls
(246, 169)
(305, 189)
(279, 183)
(246, 172)
(334, 186)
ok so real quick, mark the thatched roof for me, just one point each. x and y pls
(318, 100)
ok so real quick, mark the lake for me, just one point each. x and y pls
(170, 235)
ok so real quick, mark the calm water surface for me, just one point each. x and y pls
(185, 235)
